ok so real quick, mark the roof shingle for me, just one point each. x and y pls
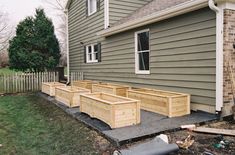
(150, 8)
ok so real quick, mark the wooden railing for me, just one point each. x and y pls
(25, 82)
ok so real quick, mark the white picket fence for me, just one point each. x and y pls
(25, 82)
(74, 76)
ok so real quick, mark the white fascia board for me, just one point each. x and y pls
(155, 17)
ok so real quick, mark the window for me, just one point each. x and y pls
(93, 53)
(92, 7)
(142, 51)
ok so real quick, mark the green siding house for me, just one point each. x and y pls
(175, 45)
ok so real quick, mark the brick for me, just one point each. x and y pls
(229, 55)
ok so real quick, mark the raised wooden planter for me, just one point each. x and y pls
(87, 84)
(49, 87)
(70, 95)
(109, 88)
(114, 110)
(167, 103)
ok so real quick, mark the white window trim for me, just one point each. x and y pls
(92, 54)
(89, 9)
(137, 71)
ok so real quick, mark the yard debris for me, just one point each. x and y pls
(164, 138)
(190, 127)
(186, 143)
(215, 131)
(222, 144)
(208, 153)
(155, 146)
(219, 146)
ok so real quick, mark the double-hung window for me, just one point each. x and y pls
(142, 52)
(92, 6)
(92, 53)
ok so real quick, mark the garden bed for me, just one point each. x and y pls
(87, 84)
(109, 88)
(114, 110)
(70, 95)
(49, 87)
(171, 104)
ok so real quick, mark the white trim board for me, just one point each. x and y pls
(106, 14)
(137, 71)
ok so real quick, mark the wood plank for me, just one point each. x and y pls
(215, 131)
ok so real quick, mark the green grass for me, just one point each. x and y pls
(30, 125)
(6, 71)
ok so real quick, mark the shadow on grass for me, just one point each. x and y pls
(30, 125)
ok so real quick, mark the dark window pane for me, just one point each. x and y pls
(144, 61)
(90, 57)
(89, 49)
(96, 48)
(143, 41)
(96, 56)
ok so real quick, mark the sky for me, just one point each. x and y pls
(17, 10)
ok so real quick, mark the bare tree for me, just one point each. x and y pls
(58, 8)
(5, 35)
(5, 31)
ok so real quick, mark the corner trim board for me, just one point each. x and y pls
(106, 14)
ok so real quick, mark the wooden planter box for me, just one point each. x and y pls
(167, 103)
(114, 110)
(49, 87)
(69, 95)
(87, 84)
(114, 89)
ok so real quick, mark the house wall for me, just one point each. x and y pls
(83, 29)
(182, 56)
(119, 9)
(229, 60)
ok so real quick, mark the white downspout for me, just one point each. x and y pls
(67, 46)
(219, 54)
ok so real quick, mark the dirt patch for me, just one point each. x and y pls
(207, 142)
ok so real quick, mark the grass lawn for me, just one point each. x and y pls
(30, 125)
(6, 71)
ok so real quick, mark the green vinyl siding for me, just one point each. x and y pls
(119, 9)
(83, 28)
(182, 56)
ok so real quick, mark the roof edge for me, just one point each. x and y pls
(155, 17)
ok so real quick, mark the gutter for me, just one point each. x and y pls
(67, 46)
(155, 17)
(219, 54)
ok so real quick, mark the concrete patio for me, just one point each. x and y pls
(151, 123)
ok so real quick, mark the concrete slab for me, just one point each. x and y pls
(151, 123)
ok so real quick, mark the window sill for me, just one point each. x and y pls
(91, 62)
(142, 72)
(91, 14)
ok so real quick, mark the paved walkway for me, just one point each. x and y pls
(151, 123)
